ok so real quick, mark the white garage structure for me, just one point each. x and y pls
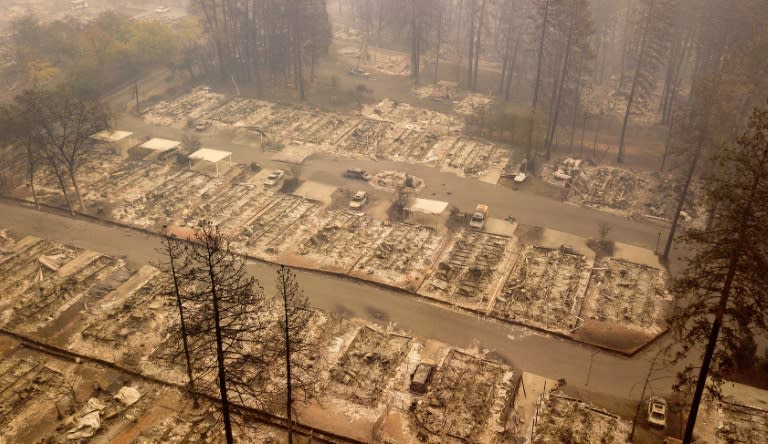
(212, 156)
(119, 141)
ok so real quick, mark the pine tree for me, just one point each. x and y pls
(652, 49)
(726, 285)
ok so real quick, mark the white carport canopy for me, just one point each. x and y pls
(160, 145)
(209, 155)
(111, 136)
(428, 206)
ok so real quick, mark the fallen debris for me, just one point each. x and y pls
(468, 400)
(545, 288)
(631, 295)
(367, 366)
(392, 180)
(468, 271)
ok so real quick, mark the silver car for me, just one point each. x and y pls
(273, 178)
(657, 411)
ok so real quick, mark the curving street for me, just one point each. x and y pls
(604, 376)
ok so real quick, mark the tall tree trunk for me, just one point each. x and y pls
(563, 76)
(77, 190)
(625, 44)
(439, 39)
(681, 199)
(706, 106)
(511, 69)
(415, 44)
(597, 133)
(299, 72)
(459, 22)
(668, 78)
(288, 375)
(471, 39)
(529, 151)
(478, 45)
(668, 113)
(183, 325)
(504, 65)
(576, 103)
(60, 178)
(672, 83)
(635, 79)
(220, 354)
(31, 173)
(601, 56)
(667, 145)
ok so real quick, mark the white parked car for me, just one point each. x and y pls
(162, 9)
(479, 216)
(273, 178)
(657, 411)
(358, 200)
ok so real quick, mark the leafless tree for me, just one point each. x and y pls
(63, 121)
(16, 129)
(227, 324)
(174, 250)
(295, 346)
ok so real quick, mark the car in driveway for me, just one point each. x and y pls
(477, 221)
(358, 200)
(273, 178)
(657, 412)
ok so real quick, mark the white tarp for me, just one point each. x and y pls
(158, 144)
(128, 395)
(87, 421)
(428, 206)
(210, 155)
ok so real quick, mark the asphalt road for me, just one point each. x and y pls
(608, 376)
(526, 205)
